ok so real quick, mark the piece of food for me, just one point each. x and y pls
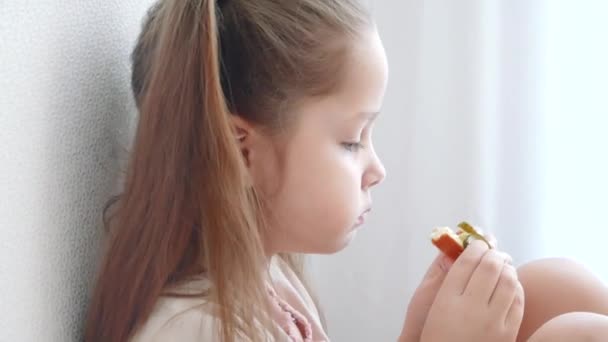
(450, 243)
(453, 243)
(464, 226)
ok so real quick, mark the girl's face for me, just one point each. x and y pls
(317, 185)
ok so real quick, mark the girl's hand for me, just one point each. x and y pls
(423, 298)
(480, 299)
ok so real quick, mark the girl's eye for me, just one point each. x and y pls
(352, 146)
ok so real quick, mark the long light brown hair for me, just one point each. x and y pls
(186, 208)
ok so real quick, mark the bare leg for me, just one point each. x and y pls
(554, 287)
(574, 326)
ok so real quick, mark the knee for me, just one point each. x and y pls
(562, 268)
(573, 326)
(565, 282)
(557, 286)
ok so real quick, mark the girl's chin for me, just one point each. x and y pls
(340, 243)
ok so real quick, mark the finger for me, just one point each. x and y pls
(444, 262)
(438, 266)
(505, 291)
(437, 271)
(486, 276)
(459, 275)
(494, 243)
(441, 262)
(492, 240)
(516, 312)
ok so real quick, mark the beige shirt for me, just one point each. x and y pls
(192, 319)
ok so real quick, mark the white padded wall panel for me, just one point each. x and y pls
(66, 115)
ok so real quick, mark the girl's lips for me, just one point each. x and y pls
(361, 219)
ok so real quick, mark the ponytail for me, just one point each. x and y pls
(186, 208)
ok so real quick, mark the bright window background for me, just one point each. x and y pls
(575, 101)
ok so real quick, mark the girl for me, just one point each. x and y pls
(254, 145)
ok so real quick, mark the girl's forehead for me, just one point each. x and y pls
(362, 93)
(367, 75)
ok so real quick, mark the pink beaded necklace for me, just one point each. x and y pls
(295, 325)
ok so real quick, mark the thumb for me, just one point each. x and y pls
(445, 262)
(438, 268)
(424, 296)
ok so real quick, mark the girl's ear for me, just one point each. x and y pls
(244, 133)
(257, 151)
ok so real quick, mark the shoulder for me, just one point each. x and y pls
(184, 319)
(191, 325)
(177, 318)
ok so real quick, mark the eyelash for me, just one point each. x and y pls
(353, 146)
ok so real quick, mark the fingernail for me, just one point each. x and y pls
(446, 263)
(478, 242)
